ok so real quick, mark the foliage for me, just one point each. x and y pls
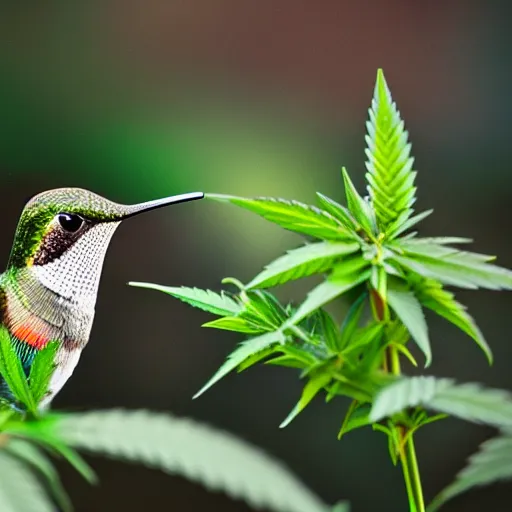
(213, 458)
(363, 252)
(366, 247)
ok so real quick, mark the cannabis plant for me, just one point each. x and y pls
(368, 247)
(365, 251)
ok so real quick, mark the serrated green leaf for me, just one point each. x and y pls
(444, 240)
(41, 431)
(41, 371)
(358, 207)
(20, 490)
(292, 215)
(470, 401)
(436, 247)
(311, 389)
(216, 303)
(433, 296)
(493, 462)
(256, 358)
(304, 261)
(287, 362)
(337, 284)
(358, 415)
(390, 175)
(338, 211)
(405, 351)
(325, 326)
(452, 266)
(262, 309)
(217, 460)
(351, 320)
(233, 323)
(241, 353)
(12, 372)
(299, 354)
(31, 455)
(370, 333)
(409, 311)
(404, 222)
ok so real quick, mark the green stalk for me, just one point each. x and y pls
(407, 450)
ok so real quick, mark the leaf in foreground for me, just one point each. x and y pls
(470, 401)
(12, 371)
(200, 453)
(241, 353)
(216, 303)
(20, 490)
(32, 455)
(41, 371)
(493, 462)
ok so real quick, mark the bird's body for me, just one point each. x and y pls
(48, 292)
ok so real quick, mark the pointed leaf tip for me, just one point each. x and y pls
(381, 86)
(389, 163)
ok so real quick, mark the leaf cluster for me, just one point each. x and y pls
(215, 459)
(367, 252)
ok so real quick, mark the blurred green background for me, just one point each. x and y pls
(141, 99)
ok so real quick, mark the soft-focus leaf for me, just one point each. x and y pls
(359, 208)
(215, 459)
(304, 261)
(470, 401)
(41, 371)
(493, 462)
(338, 283)
(390, 175)
(20, 490)
(32, 456)
(12, 372)
(408, 309)
(216, 303)
(241, 353)
(314, 385)
(292, 215)
(41, 432)
(432, 295)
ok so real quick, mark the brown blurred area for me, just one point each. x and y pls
(140, 99)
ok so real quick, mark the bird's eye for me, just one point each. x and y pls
(70, 222)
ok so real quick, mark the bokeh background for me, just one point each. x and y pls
(141, 99)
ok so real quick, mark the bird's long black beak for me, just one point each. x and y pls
(135, 209)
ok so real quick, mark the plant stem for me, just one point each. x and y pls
(391, 364)
(412, 463)
(407, 450)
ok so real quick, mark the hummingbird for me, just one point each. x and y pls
(48, 291)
